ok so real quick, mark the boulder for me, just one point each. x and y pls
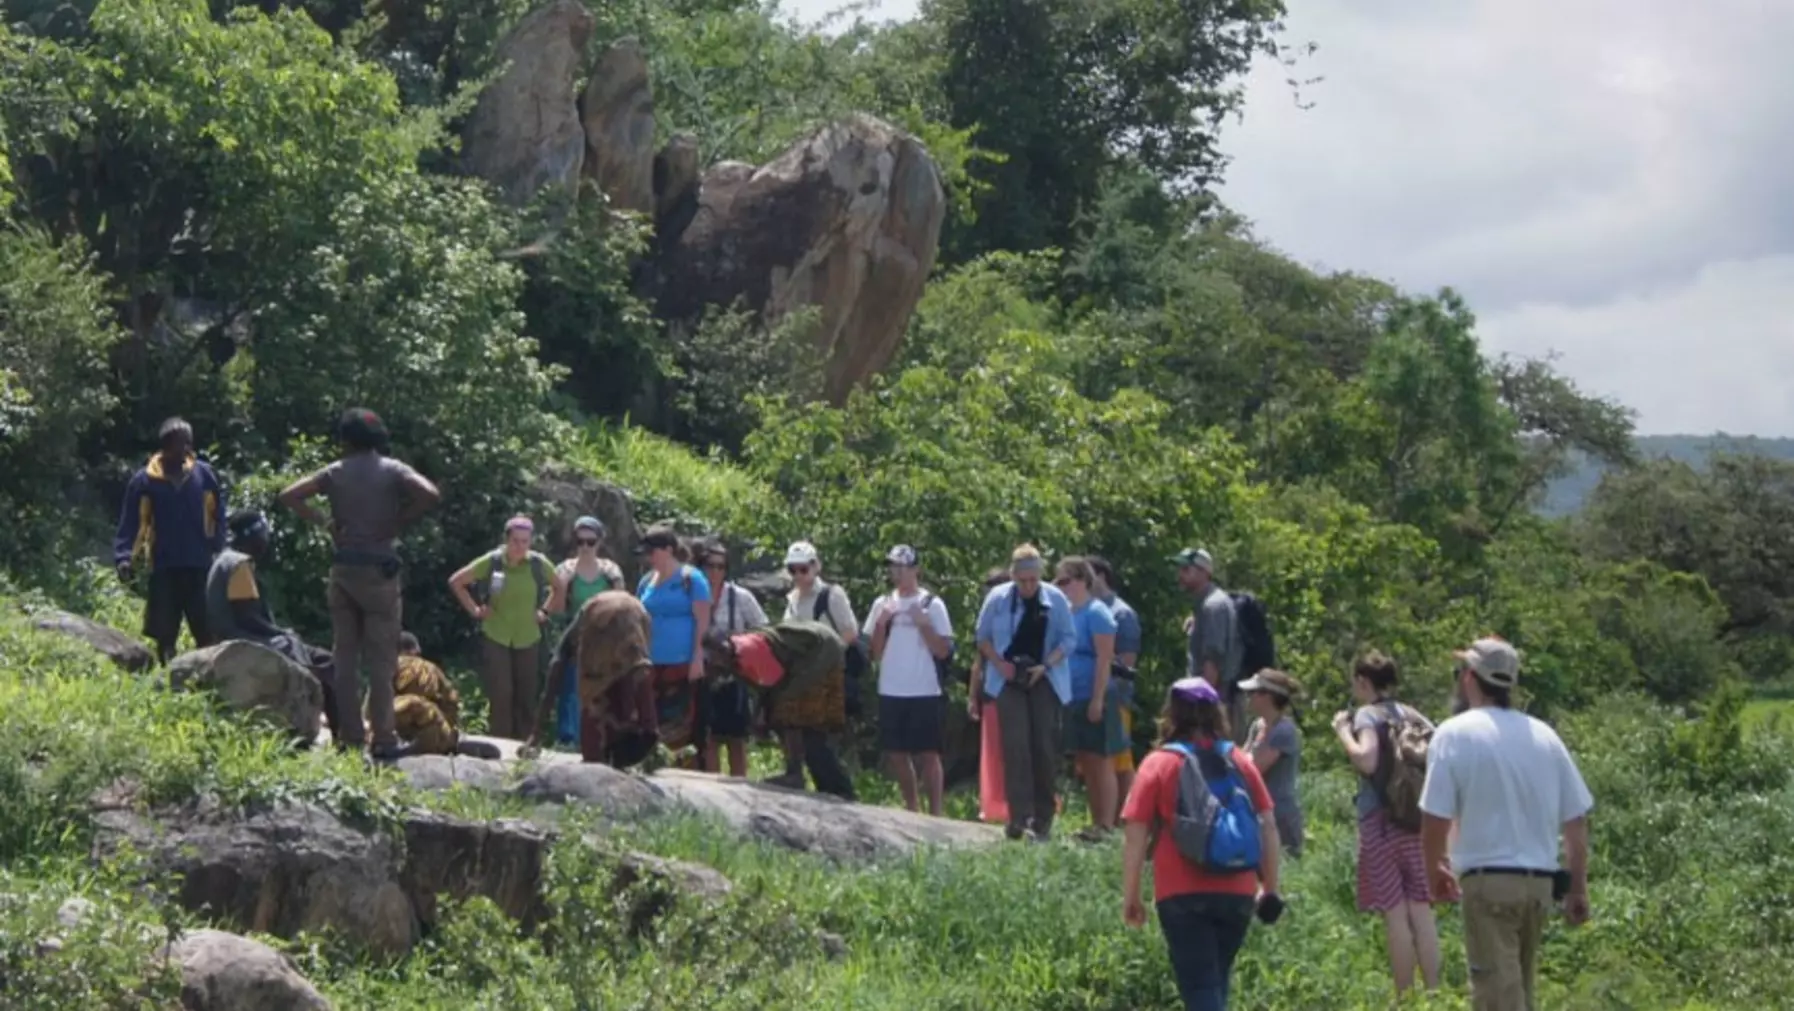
(847, 220)
(676, 175)
(524, 133)
(281, 871)
(442, 772)
(815, 823)
(615, 793)
(502, 860)
(127, 651)
(300, 868)
(255, 679)
(225, 972)
(617, 111)
(570, 495)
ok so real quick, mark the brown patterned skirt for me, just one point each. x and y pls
(820, 706)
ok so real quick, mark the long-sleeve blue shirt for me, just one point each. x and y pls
(176, 523)
(997, 623)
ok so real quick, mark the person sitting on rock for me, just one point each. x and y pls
(606, 649)
(237, 608)
(426, 705)
(799, 668)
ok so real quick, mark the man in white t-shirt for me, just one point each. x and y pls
(1510, 786)
(909, 633)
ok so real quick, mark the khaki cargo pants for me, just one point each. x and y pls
(365, 611)
(1504, 918)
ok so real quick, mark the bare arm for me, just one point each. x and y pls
(421, 496)
(1270, 849)
(298, 495)
(1360, 745)
(1136, 837)
(938, 644)
(1105, 657)
(458, 584)
(1264, 757)
(1435, 836)
(1576, 859)
(557, 594)
(881, 629)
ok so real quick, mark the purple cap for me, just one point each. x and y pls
(1194, 690)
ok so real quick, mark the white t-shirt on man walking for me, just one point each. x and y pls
(907, 669)
(1510, 784)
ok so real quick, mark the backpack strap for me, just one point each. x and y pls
(544, 575)
(729, 591)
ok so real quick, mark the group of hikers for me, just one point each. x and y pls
(1471, 810)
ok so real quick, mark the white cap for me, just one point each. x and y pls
(802, 553)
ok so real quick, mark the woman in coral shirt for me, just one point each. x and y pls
(1203, 913)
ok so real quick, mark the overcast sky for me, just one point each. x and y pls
(1600, 178)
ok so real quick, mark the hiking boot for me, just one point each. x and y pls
(1013, 831)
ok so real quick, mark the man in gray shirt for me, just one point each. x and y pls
(1216, 649)
(373, 498)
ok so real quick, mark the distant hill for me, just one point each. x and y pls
(1568, 493)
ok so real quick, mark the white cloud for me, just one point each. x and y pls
(1601, 178)
(1714, 354)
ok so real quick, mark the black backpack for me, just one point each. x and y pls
(856, 654)
(1258, 651)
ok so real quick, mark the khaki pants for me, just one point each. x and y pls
(1504, 918)
(510, 676)
(365, 611)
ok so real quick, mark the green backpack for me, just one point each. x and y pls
(539, 569)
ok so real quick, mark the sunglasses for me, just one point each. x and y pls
(798, 570)
(714, 564)
(586, 542)
(1064, 581)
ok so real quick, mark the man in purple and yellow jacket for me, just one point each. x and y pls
(173, 519)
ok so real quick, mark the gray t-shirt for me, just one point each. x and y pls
(1215, 635)
(1366, 718)
(367, 492)
(1280, 779)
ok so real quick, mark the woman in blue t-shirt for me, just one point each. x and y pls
(1093, 732)
(677, 597)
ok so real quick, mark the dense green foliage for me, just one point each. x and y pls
(248, 214)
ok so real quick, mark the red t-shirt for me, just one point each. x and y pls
(1153, 802)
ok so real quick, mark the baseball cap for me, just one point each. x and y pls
(801, 553)
(903, 555)
(1195, 690)
(1274, 681)
(1493, 660)
(1194, 557)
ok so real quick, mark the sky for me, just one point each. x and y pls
(1602, 180)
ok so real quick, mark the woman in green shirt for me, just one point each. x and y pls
(582, 577)
(510, 592)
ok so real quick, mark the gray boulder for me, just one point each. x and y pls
(524, 134)
(254, 679)
(225, 972)
(617, 109)
(443, 772)
(815, 823)
(617, 794)
(127, 651)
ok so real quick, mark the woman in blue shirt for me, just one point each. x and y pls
(1093, 731)
(1025, 636)
(677, 597)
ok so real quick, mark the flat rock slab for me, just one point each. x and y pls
(816, 823)
(127, 651)
(617, 794)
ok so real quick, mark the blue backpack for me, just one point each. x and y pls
(1215, 826)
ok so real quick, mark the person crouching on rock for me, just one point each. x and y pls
(237, 607)
(606, 649)
(426, 707)
(799, 669)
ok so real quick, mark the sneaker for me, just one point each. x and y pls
(389, 752)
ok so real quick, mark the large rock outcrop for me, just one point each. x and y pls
(847, 220)
(127, 651)
(617, 110)
(254, 679)
(524, 134)
(296, 868)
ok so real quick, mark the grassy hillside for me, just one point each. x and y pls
(1567, 494)
(1019, 927)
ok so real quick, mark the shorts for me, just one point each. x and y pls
(911, 726)
(1083, 737)
(174, 594)
(731, 719)
(1391, 865)
(1124, 762)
